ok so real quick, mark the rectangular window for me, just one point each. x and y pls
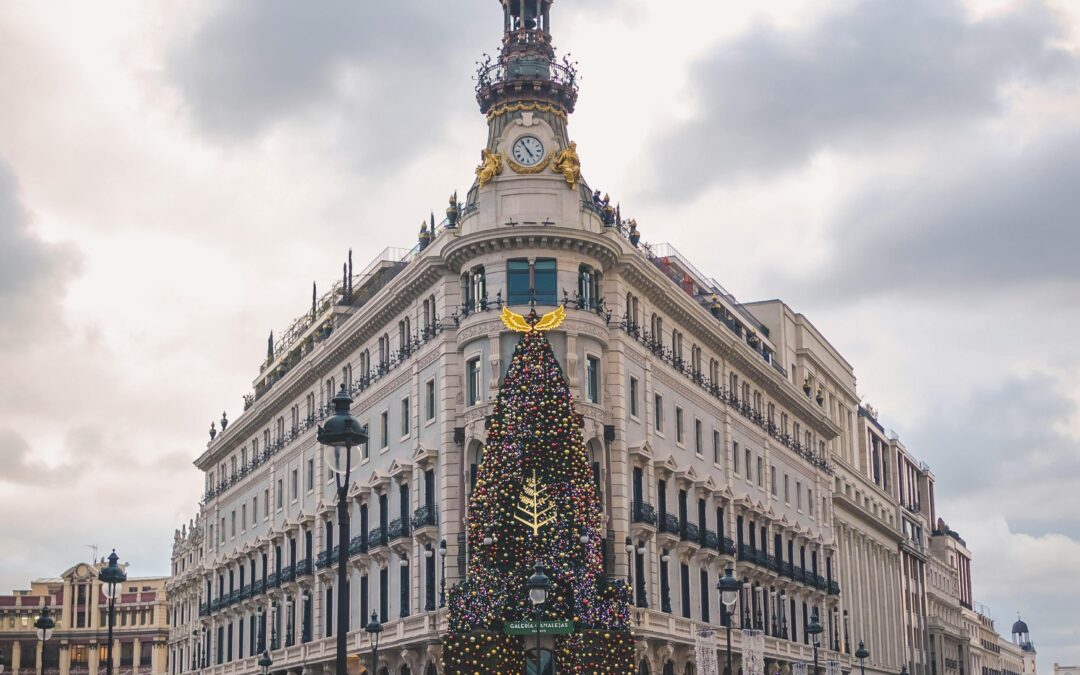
(243, 517)
(266, 503)
(384, 430)
(760, 472)
(472, 381)
(254, 510)
(697, 436)
(517, 282)
(310, 475)
(429, 397)
(787, 489)
(545, 281)
(735, 457)
(633, 397)
(749, 471)
(716, 446)
(294, 485)
(810, 501)
(798, 495)
(406, 417)
(658, 413)
(592, 378)
(679, 425)
(232, 523)
(772, 479)
(280, 493)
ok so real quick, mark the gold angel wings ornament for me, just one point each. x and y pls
(517, 322)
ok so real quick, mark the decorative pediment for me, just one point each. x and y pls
(379, 481)
(359, 492)
(424, 456)
(665, 467)
(400, 471)
(324, 507)
(686, 475)
(708, 485)
(641, 454)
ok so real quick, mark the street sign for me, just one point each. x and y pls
(551, 627)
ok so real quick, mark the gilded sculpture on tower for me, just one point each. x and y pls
(567, 163)
(491, 165)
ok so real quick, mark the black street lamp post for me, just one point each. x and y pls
(729, 594)
(442, 575)
(265, 662)
(538, 591)
(862, 654)
(45, 624)
(340, 435)
(814, 629)
(374, 629)
(112, 576)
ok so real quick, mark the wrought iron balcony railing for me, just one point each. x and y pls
(358, 545)
(303, 568)
(690, 532)
(376, 538)
(426, 515)
(399, 528)
(644, 513)
(669, 522)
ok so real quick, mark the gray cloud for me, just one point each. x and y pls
(1004, 220)
(1010, 472)
(33, 273)
(20, 468)
(879, 74)
(382, 69)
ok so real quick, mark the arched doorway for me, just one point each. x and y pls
(643, 667)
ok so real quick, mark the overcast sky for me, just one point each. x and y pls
(174, 175)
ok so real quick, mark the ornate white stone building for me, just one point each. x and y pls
(721, 434)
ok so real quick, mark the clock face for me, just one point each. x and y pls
(528, 151)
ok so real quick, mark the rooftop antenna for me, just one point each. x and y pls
(94, 548)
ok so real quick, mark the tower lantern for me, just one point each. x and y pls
(526, 69)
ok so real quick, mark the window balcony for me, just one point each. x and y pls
(258, 587)
(244, 593)
(710, 541)
(834, 588)
(325, 559)
(358, 545)
(287, 574)
(376, 538)
(273, 580)
(399, 529)
(728, 546)
(425, 516)
(669, 523)
(689, 538)
(303, 568)
(203, 609)
(644, 513)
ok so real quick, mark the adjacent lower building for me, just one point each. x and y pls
(79, 644)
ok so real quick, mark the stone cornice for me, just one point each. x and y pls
(361, 324)
(697, 320)
(458, 252)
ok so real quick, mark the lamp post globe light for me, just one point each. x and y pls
(538, 591)
(341, 434)
(374, 628)
(265, 662)
(862, 655)
(814, 629)
(111, 576)
(729, 593)
(44, 624)
(904, 670)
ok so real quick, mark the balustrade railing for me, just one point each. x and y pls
(644, 513)
(426, 515)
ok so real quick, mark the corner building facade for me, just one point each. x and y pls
(720, 433)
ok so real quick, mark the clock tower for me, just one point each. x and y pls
(529, 172)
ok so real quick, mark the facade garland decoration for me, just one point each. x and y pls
(524, 107)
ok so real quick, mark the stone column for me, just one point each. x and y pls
(16, 657)
(117, 650)
(39, 646)
(65, 658)
(136, 655)
(93, 658)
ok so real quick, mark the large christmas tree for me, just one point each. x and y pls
(534, 503)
